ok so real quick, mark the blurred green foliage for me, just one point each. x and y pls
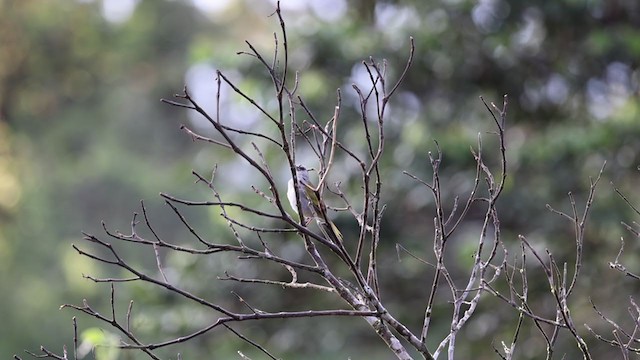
(83, 138)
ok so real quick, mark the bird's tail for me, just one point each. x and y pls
(330, 231)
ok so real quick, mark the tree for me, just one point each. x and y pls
(351, 270)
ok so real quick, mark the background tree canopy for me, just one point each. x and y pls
(84, 138)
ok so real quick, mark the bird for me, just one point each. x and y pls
(312, 206)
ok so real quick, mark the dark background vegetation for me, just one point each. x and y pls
(83, 138)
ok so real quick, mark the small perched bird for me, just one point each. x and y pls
(312, 206)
